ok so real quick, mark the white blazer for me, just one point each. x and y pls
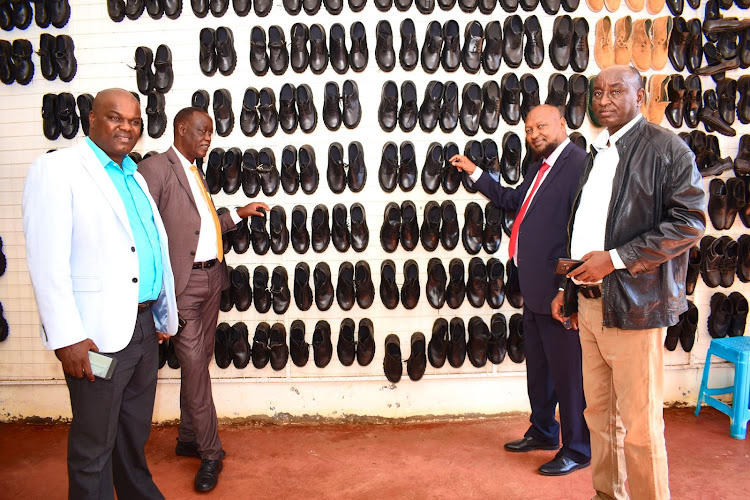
(81, 253)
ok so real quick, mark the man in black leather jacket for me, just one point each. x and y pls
(639, 209)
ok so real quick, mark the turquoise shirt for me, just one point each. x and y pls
(142, 224)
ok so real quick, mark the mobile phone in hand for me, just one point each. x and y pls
(564, 266)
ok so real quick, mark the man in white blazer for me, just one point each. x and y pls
(98, 257)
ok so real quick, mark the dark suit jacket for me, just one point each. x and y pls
(543, 236)
(170, 190)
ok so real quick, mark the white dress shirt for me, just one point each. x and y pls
(207, 249)
(590, 223)
(550, 160)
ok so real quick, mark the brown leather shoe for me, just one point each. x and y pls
(657, 98)
(595, 5)
(612, 5)
(604, 50)
(635, 5)
(662, 31)
(642, 44)
(623, 40)
(655, 7)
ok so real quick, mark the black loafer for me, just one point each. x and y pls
(561, 466)
(528, 443)
(208, 475)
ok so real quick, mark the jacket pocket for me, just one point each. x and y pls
(87, 284)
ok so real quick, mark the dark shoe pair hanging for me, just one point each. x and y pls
(341, 107)
(352, 174)
(59, 115)
(15, 62)
(56, 57)
(161, 77)
(217, 51)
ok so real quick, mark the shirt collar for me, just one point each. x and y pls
(185, 163)
(128, 165)
(602, 139)
(551, 159)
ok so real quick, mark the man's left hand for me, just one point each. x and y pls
(252, 209)
(161, 336)
(596, 265)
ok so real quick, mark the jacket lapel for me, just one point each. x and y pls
(554, 172)
(179, 172)
(97, 172)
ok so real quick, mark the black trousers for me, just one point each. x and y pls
(553, 375)
(112, 422)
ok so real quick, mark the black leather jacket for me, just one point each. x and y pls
(656, 214)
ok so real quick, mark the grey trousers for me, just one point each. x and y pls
(112, 422)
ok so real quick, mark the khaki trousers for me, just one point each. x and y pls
(623, 381)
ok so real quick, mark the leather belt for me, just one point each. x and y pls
(205, 265)
(590, 291)
(145, 305)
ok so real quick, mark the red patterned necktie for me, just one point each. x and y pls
(519, 216)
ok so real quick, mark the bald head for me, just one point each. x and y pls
(545, 129)
(115, 123)
(617, 95)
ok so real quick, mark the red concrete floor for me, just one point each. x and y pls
(437, 460)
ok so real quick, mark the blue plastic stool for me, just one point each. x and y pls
(737, 351)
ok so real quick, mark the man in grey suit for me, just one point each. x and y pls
(196, 252)
(97, 254)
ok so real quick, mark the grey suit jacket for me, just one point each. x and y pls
(170, 190)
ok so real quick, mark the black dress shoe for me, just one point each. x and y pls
(308, 169)
(231, 170)
(223, 114)
(115, 10)
(64, 58)
(365, 342)
(262, 7)
(726, 92)
(163, 74)
(340, 228)
(201, 100)
(226, 301)
(269, 116)
(351, 109)
(385, 56)
(560, 46)
(279, 351)
(492, 229)
(345, 292)
(679, 41)
(513, 30)
(300, 56)
(359, 231)
(490, 116)
(476, 285)
(408, 114)
(23, 67)
(308, 115)
(321, 231)
(259, 60)
(240, 237)
(449, 110)
(365, 290)
(218, 7)
(739, 314)
(288, 118)
(321, 342)
(50, 118)
(417, 362)
(451, 52)
(260, 238)
(436, 283)
(318, 49)
(337, 47)
(457, 345)
(392, 366)
(429, 111)
(133, 9)
(278, 230)
(456, 288)
(471, 54)
(473, 229)
(250, 178)
(299, 350)
(557, 91)
(239, 345)
(311, 6)
(510, 162)
(357, 5)
(345, 347)
(241, 7)
(498, 339)
(407, 177)
(510, 106)
(323, 286)
(432, 47)
(214, 175)
(561, 466)
(516, 350)
(430, 232)
(222, 354)
(289, 174)
(334, 7)
(495, 286)
(388, 109)
(676, 94)
(478, 344)
(437, 349)
(336, 175)
(267, 172)
(46, 52)
(226, 57)
(431, 172)
(409, 226)
(157, 118)
(451, 177)
(512, 287)
(471, 108)
(260, 348)
(717, 203)
(208, 475)
(579, 57)
(389, 294)
(575, 110)
(410, 290)
(383, 5)
(303, 295)
(408, 54)
(449, 234)
(492, 54)
(388, 170)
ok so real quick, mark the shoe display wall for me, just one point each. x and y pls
(448, 77)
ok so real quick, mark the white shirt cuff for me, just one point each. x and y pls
(474, 176)
(616, 260)
(235, 216)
